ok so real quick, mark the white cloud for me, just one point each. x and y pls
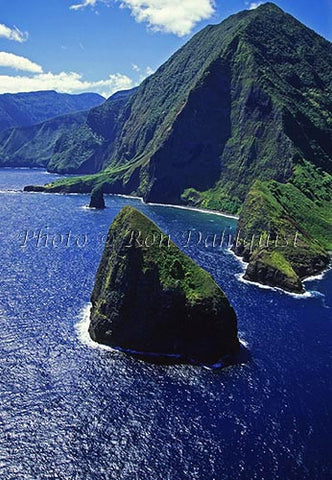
(254, 5)
(19, 63)
(145, 73)
(13, 33)
(69, 82)
(170, 16)
(86, 3)
(149, 71)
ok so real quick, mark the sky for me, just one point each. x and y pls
(104, 46)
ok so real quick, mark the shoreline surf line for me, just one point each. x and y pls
(181, 207)
(298, 296)
(318, 276)
(132, 197)
(82, 330)
(305, 294)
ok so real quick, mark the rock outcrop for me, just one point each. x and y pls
(152, 300)
(97, 198)
(275, 235)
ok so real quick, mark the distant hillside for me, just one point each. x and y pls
(36, 145)
(85, 149)
(33, 146)
(24, 109)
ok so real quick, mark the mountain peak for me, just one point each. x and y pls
(269, 5)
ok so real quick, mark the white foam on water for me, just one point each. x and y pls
(319, 276)
(91, 209)
(82, 329)
(239, 259)
(181, 207)
(195, 209)
(240, 277)
(243, 342)
(132, 197)
(11, 191)
(298, 296)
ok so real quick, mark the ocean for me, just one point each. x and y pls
(71, 410)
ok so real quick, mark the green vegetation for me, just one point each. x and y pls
(244, 100)
(283, 232)
(213, 199)
(277, 260)
(33, 146)
(176, 270)
(66, 143)
(237, 120)
(150, 297)
(25, 109)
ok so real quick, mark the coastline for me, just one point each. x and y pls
(170, 205)
(82, 331)
(305, 294)
(240, 278)
(133, 197)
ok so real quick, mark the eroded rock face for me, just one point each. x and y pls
(97, 199)
(150, 298)
(274, 238)
(260, 270)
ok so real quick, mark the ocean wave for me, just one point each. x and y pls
(82, 330)
(239, 259)
(299, 296)
(319, 276)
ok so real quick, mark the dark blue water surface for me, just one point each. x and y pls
(70, 411)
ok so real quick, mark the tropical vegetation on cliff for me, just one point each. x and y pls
(242, 102)
(152, 299)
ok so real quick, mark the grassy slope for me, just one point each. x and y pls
(281, 227)
(176, 270)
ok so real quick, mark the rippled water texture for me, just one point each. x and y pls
(70, 411)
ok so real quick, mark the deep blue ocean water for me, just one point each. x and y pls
(70, 411)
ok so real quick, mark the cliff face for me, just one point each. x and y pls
(283, 235)
(33, 146)
(150, 298)
(71, 143)
(86, 148)
(242, 102)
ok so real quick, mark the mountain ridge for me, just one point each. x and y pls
(29, 108)
(36, 145)
(243, 101)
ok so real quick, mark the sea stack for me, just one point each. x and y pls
(97, 198)
(152, 300)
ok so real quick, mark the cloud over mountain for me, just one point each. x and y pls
(69, 82)
(169, 16)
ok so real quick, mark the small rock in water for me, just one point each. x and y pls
(97, 198)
